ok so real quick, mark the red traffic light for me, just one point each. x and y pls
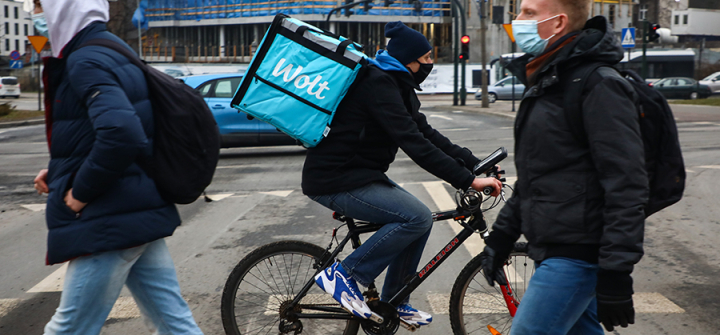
(465, 39)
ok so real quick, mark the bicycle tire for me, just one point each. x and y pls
(474, 304)
(259, 285)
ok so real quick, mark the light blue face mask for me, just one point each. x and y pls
(527, 37)
(40, 24)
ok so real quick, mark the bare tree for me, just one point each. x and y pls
(120, 23)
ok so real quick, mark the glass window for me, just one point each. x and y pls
(204, 90)
(26, 30)
(684, 82)
(7, 44)
(611, 15)
(677, 19)
(10, 81)
(16, 12)
(17, 45)
(7, 11)
(685, 19)
(17, 29)
(226, 88)
(7, 28)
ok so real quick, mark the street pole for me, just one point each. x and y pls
(463, 91)
(140, 52)
(39, 61)
(483, 56)
(456, 55)
(513, 82)
(646, 28)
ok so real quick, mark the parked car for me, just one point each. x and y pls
(9, 87)
(712, 81)
(236, 129)
(503, 90)
(681, 88)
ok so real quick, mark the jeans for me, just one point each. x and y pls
(93, 284)
(398, 245)
(560, 299)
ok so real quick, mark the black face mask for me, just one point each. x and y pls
(422, 73)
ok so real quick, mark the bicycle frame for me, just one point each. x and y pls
(475, 223)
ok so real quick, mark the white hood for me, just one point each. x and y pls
(66, 18)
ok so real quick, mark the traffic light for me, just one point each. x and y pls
(348, 12)
(367, 6)
(653, 34)
(464, 47)
(389, 2)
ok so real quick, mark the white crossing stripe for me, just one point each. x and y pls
(53, 282)
(7, 305)
(219, 196)
(283, 194)
(714, 167)
(653, 302)
(124, 308)
(34, 207)
(441, 117)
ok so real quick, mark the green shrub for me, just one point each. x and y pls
(6, 108)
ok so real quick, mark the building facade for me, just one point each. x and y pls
(15, 27)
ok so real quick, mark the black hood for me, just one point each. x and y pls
(595, 43)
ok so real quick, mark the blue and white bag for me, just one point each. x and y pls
(298, 77)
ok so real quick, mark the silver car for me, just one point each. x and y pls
(503, 90)
(712, 81)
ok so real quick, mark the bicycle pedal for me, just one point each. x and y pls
(408, 326)
(375, 317)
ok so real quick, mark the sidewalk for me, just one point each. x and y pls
(444, 103)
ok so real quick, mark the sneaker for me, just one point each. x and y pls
(335, 281)
(413, 316)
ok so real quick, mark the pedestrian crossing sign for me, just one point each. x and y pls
(628, 37)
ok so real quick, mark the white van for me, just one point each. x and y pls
(9, 86)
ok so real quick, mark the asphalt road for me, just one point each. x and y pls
(258, 200)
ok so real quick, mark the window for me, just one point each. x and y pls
(26, 30)
(7, 44)
(16, 12)
(17, 29)
(17, 45)
(7, 28)
(684, 82)
(226, 88)
(7, 12)
(205, 89)
(643, 12)
(512, 7)
(685, 19)
(677, 19)
(611, 15)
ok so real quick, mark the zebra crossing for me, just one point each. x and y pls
(442, 199)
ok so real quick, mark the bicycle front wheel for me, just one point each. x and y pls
(269, 278)
(475, 306)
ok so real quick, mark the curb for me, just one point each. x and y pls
(28, 122)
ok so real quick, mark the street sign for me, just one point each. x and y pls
(16, 64)
(38, 42)
(508, 30)
(628, 37)
(14, 55)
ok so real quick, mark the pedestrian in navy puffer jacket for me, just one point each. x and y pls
(104, 213)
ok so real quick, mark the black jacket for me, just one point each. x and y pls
(379, 115)
(575, 199)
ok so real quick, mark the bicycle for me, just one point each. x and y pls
(273, 287)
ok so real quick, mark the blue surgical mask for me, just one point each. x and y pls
(527, 37)
(40, 24)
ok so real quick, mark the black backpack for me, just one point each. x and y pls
(186, 145)
(663, 158)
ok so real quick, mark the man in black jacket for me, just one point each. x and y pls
(346, 172)
(579, 202)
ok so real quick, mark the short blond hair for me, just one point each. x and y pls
(577, 11)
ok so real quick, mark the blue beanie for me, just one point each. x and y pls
(406, 44)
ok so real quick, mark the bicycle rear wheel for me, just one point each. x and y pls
(475, 305)
(269, 278)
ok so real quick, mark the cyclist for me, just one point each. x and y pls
(579, 203)
(346, 172)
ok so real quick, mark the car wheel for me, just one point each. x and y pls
(694, 95)
(492, 97)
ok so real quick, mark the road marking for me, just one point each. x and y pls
(124, 308)
(715, 167)
(441, 117)
(7, 305)
(653, 302)
(454, 129)
(34, 207)
(51, 283)
(219, 196)
(444, 202)
(283, 194)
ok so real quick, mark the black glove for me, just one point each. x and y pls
(497, 250)
(492, 267)
(614, 299)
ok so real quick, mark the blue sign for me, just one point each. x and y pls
(628, 37)
(16, 64)
(15, 55)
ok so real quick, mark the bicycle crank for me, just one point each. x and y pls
(390, 323)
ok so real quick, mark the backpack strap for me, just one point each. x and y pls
(119, 48)
(575, 86)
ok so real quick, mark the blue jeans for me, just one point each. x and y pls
(560, 299)
(398, 245)
(93, 284)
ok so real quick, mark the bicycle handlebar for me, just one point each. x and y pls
(487, 166)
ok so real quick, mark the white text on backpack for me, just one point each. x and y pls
(301, 81)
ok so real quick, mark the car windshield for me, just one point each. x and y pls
(715, 76)
(9, 81)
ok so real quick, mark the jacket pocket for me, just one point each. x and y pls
(558, 208)
(57, 212)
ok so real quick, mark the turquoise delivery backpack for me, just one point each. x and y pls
(298, 77)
